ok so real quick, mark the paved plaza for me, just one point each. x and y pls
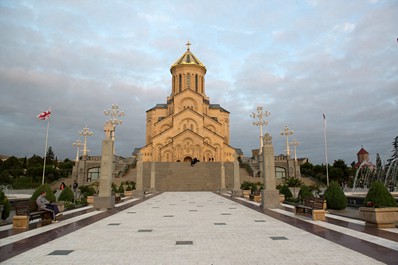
(199, 228)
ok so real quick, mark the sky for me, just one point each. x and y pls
(296, 59)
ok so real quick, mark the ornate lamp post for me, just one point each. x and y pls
(286, 132)
(260, 121)
(85, 132)
(114, 114)
(78, 143)
(294, 143)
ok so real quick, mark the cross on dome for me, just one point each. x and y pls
(188, 44)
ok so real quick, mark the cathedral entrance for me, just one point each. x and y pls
(187, 159)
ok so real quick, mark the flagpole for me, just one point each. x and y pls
(326, 151)
(45, 151)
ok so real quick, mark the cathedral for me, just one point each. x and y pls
(187, 127)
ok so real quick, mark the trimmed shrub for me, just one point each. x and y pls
(378, 196)
(335, 197)
(6, 206)
(285, 191)
(305, 193)
(121, 188)
(49, 193)
(87, 191)
(129, 188)
(246, 185)
(66, 195)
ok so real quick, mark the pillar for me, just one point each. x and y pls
(236, 192)
(105, 199)
(270, 195)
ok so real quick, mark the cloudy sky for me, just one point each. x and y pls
(297, 59)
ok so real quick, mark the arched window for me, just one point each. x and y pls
(196, 83)
(179, 83)
(93, 174)
(188, 81)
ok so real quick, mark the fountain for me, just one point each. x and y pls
(365, 174)
(390, 180)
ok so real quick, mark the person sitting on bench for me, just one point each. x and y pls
(44, 204)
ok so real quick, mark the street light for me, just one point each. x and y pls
(85, 132)
(114, 114)
(78, 143)
(294, 143)
(260, 121)
(286, 132)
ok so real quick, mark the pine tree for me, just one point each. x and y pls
(50, 156)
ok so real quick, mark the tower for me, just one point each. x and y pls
(187, 126)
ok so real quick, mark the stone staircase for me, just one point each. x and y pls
(183, 177)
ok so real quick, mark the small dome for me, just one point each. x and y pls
(188, 58)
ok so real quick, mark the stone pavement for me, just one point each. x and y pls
(199, 228)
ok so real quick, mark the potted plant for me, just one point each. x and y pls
(246, 188)
(380, 209)
(129, 191)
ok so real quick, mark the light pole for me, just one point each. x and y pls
(85, 132)
(286, 132)
(114, 114)
(294, 143)
(78, 143)
(259, 118)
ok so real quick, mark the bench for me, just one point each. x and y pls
(312, 206)
(26, 211)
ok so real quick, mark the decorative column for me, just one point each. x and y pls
(105, 199)
(260, 121)
(236, 192)
(152, 188)
(139, 191)
(270, 195)
(222, 188)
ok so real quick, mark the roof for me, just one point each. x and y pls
(188, 58)
(362, 152)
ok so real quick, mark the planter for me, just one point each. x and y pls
(90, 199)
(379, 217)
(246, 193)
(128, 193)
(61, 206)
(281, 198)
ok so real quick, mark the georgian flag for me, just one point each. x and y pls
(44, 115)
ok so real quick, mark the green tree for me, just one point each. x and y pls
(378, 196)
(35, 161)
(335, 197)
(66, 195)
(50, 156)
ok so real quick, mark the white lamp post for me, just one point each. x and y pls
(294, 143)
(78, 143)
(286, 132)
(114, 114)
(260, 121)
(85, 132)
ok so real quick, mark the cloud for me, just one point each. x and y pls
(297, 60)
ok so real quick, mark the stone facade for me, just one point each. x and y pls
(187, 126)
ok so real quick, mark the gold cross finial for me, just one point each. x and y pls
(188, 44)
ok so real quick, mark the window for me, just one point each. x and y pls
(93, 174)
(196, 83)
(280, 172)
(179, 83)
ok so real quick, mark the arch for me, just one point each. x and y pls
(93, 174)
(187, 159)
(179, 83)
(280, 172)
(211, 128)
